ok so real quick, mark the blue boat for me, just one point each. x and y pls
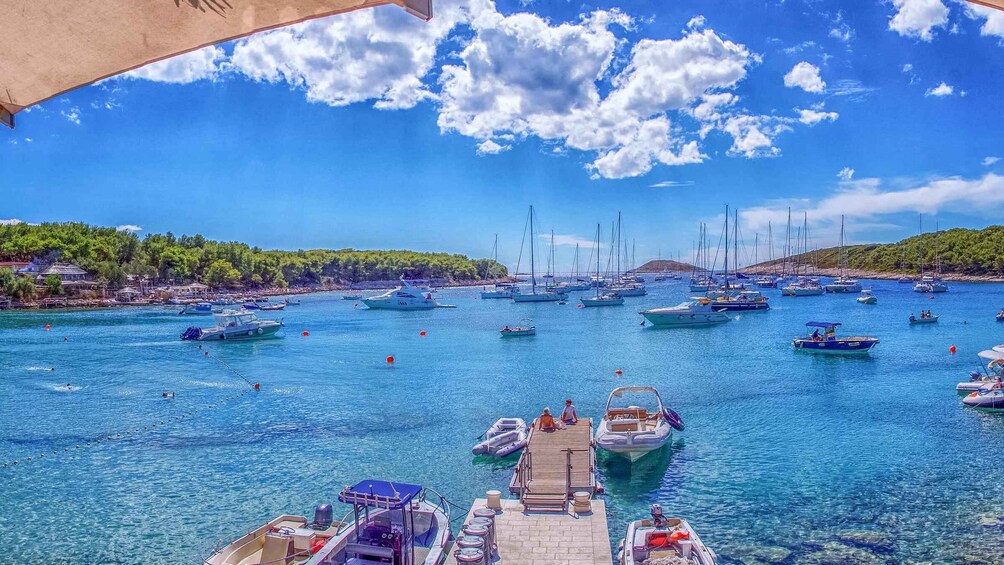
(828, 342)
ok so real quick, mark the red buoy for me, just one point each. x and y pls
(421, 333)
(47, 327)
(257, 386)
(390, 359)
(618, 372)
(952, 349)
(305, 332)
(206, 353)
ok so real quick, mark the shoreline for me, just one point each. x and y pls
(874, 275)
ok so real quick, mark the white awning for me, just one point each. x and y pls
(990, 354)
(48, 47)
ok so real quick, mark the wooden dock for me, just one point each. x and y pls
(549, 538)
(555, 465)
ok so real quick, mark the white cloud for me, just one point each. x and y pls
(805, 75)
(851, 88)
(11, 222)
(489, 147)
(753, 136)
(845, 174)
(987, 161)
(918, 18)
(798, 48)
(73, 115)
(907, 68)
(993, 23)
(561, 240)
(129, 228)
(696, 22)
(28, 140)
(940, 90)
(868, 199)
(381, 53)
(813, 117)
(671, 184)
(205, 63)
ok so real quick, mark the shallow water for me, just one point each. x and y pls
(781, 448)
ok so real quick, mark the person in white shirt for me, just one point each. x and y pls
(568, 415)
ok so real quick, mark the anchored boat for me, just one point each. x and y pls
(663, 540)
(197, 309)
(284, 540)
(697, 312)
(867, 298)
(828, 342)
(634, 431)
(518, 331)
(408, 296)
(924, 319)
(234, 325)
(601, 298)
(991, 374)
(990, 398)
(505, 437)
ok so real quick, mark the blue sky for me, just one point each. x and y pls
(376, 130)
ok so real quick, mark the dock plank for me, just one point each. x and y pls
(547, 453)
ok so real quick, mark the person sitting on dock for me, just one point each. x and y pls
(568, 415)
(914, 318)
(546, 421)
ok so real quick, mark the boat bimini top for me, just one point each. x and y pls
(619, 393)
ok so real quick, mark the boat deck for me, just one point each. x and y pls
(549, 538)
(543, 468)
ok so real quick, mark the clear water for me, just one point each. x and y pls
(781, 449)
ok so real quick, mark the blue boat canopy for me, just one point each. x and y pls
(380, 494)
(822, 324)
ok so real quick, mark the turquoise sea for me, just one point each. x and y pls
(786, 456)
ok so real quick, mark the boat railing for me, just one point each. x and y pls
(442, 504)
(524, 473)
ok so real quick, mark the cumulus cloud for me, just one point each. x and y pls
(869, 199)
(753, 136)
(489, 147)
(918, 18)
(129, 228)
(940, 90)
(987, 161)
(72, 115)
(805, 75)
(845, 174)
(380, 54)
(812, 117)
(993, 19)
(201, 64)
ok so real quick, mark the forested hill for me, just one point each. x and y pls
(961, 251)
(659, 265)
(111, 255)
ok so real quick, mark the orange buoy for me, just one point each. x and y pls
(257, 386)
(306, 333)
(952, 349)
(390, 359)
(421, 333)
(47, 327)
(618, 372)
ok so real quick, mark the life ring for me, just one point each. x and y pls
(673, 419)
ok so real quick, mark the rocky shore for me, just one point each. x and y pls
(863, 274)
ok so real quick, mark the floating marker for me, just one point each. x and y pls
(305, 333)
(952, 350)
(422, 333)
(257, 386)
(618, 372)
(579, 306)
(47, 327)
(206, 353)
(390, 359)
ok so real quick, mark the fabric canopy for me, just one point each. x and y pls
(48, 47)
(999, 4)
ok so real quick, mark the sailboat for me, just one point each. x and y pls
(574, 282)
(804, 285)
(842, 284)
(624, 286)
(501, 290)
(767, 280)
(735, 297)
(701, 282)
(929, 283)
(601, 298)
(534, 295)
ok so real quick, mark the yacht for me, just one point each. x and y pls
(234, 325)
(663, 540)
(626, 288)
(803, 287)
(867, 298)
(601, 298)
(633, 431)
(197, 309)
(535, 296)
(408, 296)
(501, 290)
(696, 312)
(828, 342)
(390, 522)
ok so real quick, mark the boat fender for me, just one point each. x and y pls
(673, 419)
(260, 331)
(317, 544)
(250, 333)
(679, 535)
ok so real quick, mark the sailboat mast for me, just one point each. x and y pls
(597, 283)
(533, 275)
(735, 244)
(726, 270)
(618, 245)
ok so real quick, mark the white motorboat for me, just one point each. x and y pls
(290, 301)
(924, 319)
(697, 312)
(500, 291)
(505, 437)
(234, 325)
(518, 331)
(391, 523)
(989, 398)
(605, 299)
(628, 289)
(663, 540)
(867, 298)
(352, 296)
(197, 309)
(408, 296)
(992, 374)
(633, 431)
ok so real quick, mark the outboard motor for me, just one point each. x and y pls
(658, 518)
(974, 376)
(191, 334)
(323, 516)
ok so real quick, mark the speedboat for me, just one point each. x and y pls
(633, 431)
(545, 296)
(993, 373)
(292, 301)
(351, 296)
(697, 312)
(250, 305)
(272, 307)
(743, 301)
(628, 289)
(233, 324)
(867, 298)
(500, 291)
(990, 397)
(843, 285)
(607, 299)
(766, 282)
(505, 437)
(518, 331)
(391, 523)
(663, 540)
(828, 342)
(904, 280)
(803, 287)
(284, 540)
(924, 319)
(197, 309)
(408, 296)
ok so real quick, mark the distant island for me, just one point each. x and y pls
(74, 259)
(661, 265)
(961, 254)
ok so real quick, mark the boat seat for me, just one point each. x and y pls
(367, 550)
(277, 549)
(616, 413)
(624, 425)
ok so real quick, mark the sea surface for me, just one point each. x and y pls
(786, 456)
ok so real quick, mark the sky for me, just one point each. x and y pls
(376, 130)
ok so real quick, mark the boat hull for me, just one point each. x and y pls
(397, 304)
(596, 303)
(240, 334)
(682, 319)
(845, 346)
(543, 297)
(633, 445)
(740, 305)
(921, 321)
